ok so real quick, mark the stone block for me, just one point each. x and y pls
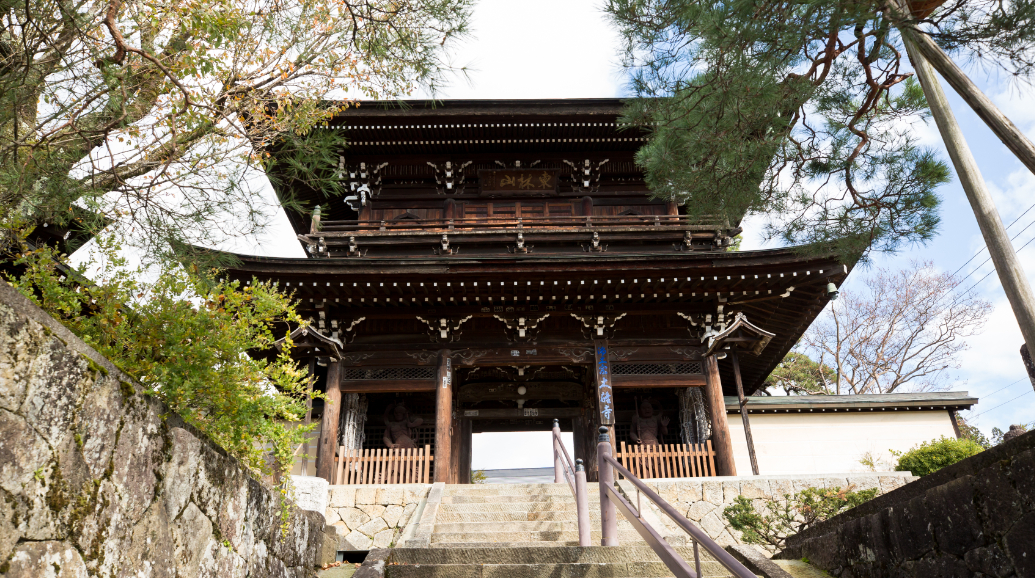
(353, 517)
(713, 524)
(384, 539)
(779, 487)
(331, 516)
(310, 493)
(860, 483)
(365, 496)
(342, 497)
(51, 559)
(372, 510)
(699, 509)
(754, 489)
(730, 491)
(689, 492)
(407, 514)
(712, 492)
(888, 483)
(340, 529)
(831, 483)
(389, 496)
(392, 516)
(413, 495)
(356, 541)
(373, 527)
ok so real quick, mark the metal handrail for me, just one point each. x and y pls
(575, 475)
(611, 499)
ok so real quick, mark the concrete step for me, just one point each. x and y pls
(497, 498)
(549, 515)
(512, 506)
(537, 562)
(534, 536)
(535, 554)
(520, 526)
(510, 489)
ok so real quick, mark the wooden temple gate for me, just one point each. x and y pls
(501, 264)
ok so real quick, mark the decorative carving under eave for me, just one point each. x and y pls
(345, 331)
(469, 356)
(598, 326)
(621, 354)
(585, 176)
(354, 358)
(424, 357)
(594, 245)
(364, 184)
(577, 355)
(450, 178)
(704, 326)
(742, 335)
(444, 329)
(521, 328)
(520, 246)
(686, 244)
(688, 353)
(445, 248)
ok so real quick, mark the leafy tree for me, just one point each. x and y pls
(780, 519)
(929, 457)
(801, 111)
(904, 331)
(186, 339)
(156, 115)
(972, 433)
(999, 436)
(798, 374)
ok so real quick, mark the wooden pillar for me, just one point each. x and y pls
(744, 412)
(604, 390)
(721, 442)
(671, 208)
(463, 458)
(578, 439)
(444, 417)
(328, 444)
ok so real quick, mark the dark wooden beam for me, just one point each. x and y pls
(628, 381)
(721, 442)
(325, 451)
(529, 413)
(444, 417)
(386, 385)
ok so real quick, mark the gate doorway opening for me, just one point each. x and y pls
(516, 456)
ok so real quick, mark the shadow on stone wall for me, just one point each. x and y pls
(973, 518)
(99, 480)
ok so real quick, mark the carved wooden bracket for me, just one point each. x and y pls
(521, 328)
(444, 329)
(598, 326)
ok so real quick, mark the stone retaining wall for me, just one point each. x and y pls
(973, 518)
(372, 516)
(702, 500)
(99, 480)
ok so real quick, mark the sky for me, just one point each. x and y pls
(551, 49)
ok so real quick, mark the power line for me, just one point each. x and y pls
(985, 248)
(1002, 404)
(1008, 386)
(993, 270)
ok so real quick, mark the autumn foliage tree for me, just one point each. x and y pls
(156, 115)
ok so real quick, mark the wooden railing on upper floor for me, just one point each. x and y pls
(521, 223)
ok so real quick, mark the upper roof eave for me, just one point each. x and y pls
(397, 109)
(919, 400)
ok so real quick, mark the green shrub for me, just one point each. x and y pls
(929, 457)
(781, 519)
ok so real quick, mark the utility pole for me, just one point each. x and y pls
(1011, 275)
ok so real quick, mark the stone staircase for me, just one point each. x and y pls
(523, 531)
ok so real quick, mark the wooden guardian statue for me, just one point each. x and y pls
(399, 427)
(647, 428)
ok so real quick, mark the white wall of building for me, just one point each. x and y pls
(821, 443)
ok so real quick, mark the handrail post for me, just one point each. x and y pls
(582, 504)
(558, 471)
(608, 521)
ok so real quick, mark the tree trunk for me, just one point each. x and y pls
(1011, 275)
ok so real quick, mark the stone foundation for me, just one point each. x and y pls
(99, 480)
(372, 516)
(702, 500)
